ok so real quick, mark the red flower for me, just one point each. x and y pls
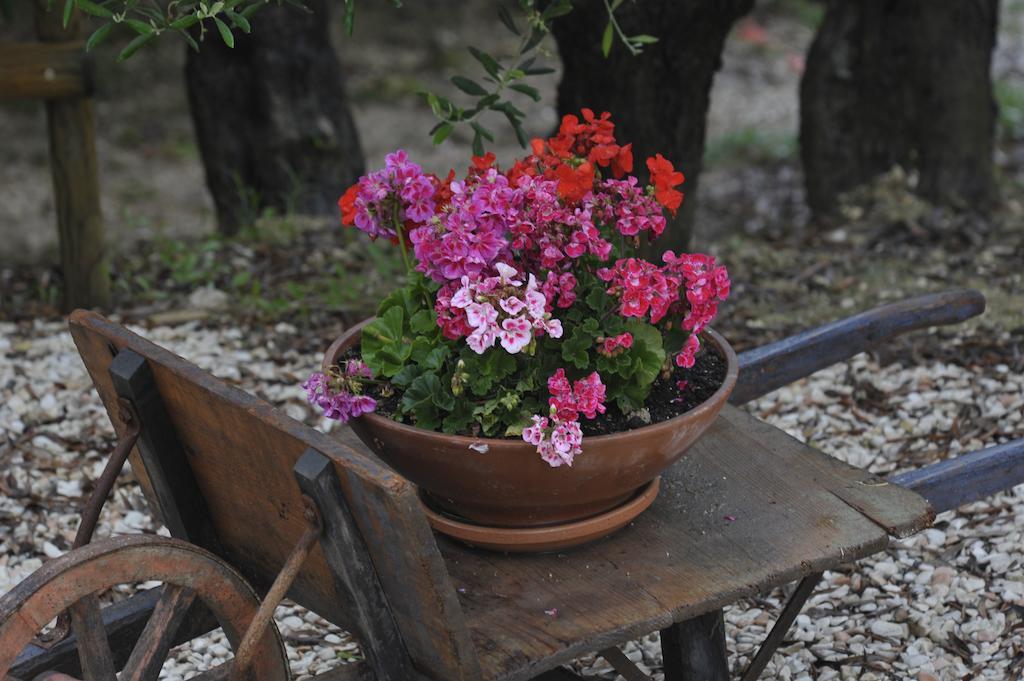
(665, 177)
(347, 204)
(574, 183)
(443, 189)
(622, 164)
(484, 162)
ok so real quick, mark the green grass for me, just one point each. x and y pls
(749, 145)
(1010, 98)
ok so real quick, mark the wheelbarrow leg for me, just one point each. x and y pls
(694, 650)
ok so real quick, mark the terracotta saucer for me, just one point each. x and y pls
(539, 539)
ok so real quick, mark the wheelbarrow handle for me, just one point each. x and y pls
(968, 477)
(772, 366)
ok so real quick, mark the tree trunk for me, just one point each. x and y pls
(271, 117)
(901, 82)
(659, 99)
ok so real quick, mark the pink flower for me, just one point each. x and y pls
(588, 393)
(585, 396)
(481, 339)
(481, 314)
(557, 442)
(516, 333)
(687, 356)
(535, 434)
(512, 305)
(614, 344)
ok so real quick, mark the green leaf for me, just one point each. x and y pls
(435, 358)
(539, 71)
(481, 130)
(421, 399)
(350, 16)
(488, 369)
(518, 128)
(408, 374)
(468, 86)
(69, 5)
(90, 7)
(190, 40)
(133, 47)
(423, 322)
(489, 63)
(531, 92)
(478, 144)
(98, 36)
(506, 18)
(442, 132)
(575, 348)
(535, 37)
(239, 21)
(597, 299)
(647, 354)
(459, 419)
(182, 23)
(225, 32)
(606, 39)
(643, 39)
(140, 27)
(556, 9)
(383, 343)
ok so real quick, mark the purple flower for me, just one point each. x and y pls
(340, 396)
(399, 186)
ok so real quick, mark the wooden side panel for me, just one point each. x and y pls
(242, 452)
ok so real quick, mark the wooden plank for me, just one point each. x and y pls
(694, 650)
(157, 639)
(180, 505)
(123, 622)
(899, 513)
(772, 366)
(44, 71)
(740, 513)
(72, 132)
(93, 648)
(350, 563)
(968, 477)
(242, 451)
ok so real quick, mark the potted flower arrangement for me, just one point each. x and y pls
(535, 373)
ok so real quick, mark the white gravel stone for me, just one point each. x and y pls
(905, 608)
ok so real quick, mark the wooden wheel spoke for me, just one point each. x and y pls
(157, 638)
(93, 648)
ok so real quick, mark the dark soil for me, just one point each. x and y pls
(665, 401)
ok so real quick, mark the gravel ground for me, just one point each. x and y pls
(946, 604)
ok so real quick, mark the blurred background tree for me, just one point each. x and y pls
(274, 113)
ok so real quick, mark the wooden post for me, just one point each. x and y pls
(76, 189)
(694, 650)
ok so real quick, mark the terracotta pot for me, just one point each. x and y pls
(504, 483)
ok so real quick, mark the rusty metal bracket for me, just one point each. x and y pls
(626, 668)
(278, 590)
(771, 642)
(93, 507)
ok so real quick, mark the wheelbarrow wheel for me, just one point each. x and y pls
(72, 583)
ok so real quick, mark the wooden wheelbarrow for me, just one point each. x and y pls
(261, 506)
